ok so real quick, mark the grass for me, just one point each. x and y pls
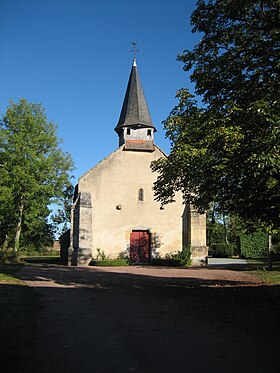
(19, 308)
(110, 262)
(258, 267)
(271, 277)
(8, 272)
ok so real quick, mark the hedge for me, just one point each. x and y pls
(254, 245)
(110, 262)
(222, 250)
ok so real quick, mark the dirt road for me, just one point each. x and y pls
(144, 319)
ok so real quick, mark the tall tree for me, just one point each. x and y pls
(227, 150)
(34, 171)
(62, 216)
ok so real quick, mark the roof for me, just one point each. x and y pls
(143, 145)
(135, 110)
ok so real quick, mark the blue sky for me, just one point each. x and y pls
(73, 57)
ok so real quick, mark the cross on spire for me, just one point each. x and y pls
(134, 50)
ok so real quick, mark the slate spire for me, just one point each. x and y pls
(135, 112)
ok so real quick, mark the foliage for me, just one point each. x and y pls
(62, 217)
(101, 255)
(215, 233)
(103, 260)
(33, 173)
(276, 245)
(227, 151)
(222, 250)
(37, 233)
(32, 252)
(217, 226)
(254, 245)
(184, 256)
(110, 262)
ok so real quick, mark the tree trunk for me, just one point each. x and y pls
(211, 227)
(225, 229)
(5, 243)
(269, 254)
(18, 229)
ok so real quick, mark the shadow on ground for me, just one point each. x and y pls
(94, 320)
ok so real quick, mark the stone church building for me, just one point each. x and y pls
(114, 209)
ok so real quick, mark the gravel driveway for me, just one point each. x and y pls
(146, 319)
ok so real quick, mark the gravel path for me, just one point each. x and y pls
(147, 319)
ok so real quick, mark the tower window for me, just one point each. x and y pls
(141, 194)
(149, 132)
(128, 131)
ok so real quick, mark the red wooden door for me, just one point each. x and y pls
(140, 246)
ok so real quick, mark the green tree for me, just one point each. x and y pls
(34, 171)
(227, 150)
(62, 216)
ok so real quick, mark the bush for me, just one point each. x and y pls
(222, 250)
(28, 253)
(254, 245)
(184, 256)
(110, 262)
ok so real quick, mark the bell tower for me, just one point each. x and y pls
(135, 128)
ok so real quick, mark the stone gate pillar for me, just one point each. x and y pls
(194, 227)
(80, 250)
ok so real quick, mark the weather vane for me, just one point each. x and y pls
(134, 50)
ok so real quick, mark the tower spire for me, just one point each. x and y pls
(135, 122)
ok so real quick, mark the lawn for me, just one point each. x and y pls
(19, 309)
(258, 267)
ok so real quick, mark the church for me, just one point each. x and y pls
(114, 211)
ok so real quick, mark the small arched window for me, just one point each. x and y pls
(141, 194)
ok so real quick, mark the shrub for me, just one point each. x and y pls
(101, 255)
(184, 256)
(222, 250)
(254, 245)
(24, 253)
(110, 262)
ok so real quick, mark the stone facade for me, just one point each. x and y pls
(108, 209)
